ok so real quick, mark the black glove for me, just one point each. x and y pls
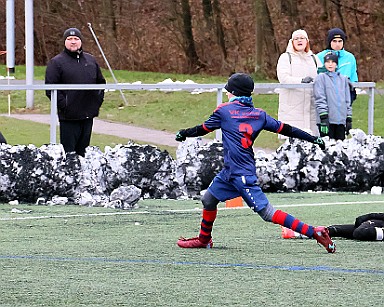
(348, 125)
(180, 136)
(319, 141)
(352, 91)
(324, 125)
(307, 80)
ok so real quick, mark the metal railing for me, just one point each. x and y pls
(259, 87)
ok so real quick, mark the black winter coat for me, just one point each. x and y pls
(75, 68)
(2, 139)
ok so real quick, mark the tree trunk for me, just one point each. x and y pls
(208, 12)
(272, 49)
(190, 49)
(219, 28)
(259, 34)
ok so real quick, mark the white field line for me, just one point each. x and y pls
(72, 215)
(288, 206)
(182, 210)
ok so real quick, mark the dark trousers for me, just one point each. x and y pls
(75, 135)
(336, 132)
(365, 232)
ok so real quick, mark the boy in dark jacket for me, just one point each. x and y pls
(76, 108)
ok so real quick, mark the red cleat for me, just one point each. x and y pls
(322, 237)
(193, 243)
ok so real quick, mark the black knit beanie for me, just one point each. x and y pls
(240, 84)
(335, 33)
(72, 32)
(331, 56)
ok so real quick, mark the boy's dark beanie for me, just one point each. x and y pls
(331, 56)
(335, 33)
(240, 84)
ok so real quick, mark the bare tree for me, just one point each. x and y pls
(214, 36)
(179, 24)
(189, 44)
(259, 33)
(208, 11)
(219, 27)
(270, 40)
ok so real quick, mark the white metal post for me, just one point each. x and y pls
(10, 7)
(52, 135)
(29, 61)
(371, 109)
(219, 102)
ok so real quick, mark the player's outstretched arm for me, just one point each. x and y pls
(191, 132)
(294, 132)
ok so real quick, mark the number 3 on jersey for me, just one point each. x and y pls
(246, 130)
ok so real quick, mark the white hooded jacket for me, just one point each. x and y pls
(296, 106)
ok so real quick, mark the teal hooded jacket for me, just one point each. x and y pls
(346, 65)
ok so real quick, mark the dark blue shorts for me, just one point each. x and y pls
(245, 186)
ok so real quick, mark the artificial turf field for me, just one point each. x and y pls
(80, 256)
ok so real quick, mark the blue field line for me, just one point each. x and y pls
(192, 263)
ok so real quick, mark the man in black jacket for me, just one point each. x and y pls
(2, 139)
(76, 108)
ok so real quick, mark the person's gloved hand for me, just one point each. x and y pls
(319, 141)
(180, 136)
(348, 125)
(307, 80)
(324, 124)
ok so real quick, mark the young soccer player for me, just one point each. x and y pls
(241, 123)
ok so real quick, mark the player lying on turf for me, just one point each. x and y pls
(241, 123)
(367, 227)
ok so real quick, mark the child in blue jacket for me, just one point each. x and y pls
(333, 100)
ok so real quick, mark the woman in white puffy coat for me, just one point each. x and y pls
(298, 65)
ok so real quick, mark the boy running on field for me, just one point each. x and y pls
(241, 123)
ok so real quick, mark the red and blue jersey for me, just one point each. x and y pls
(240, 123)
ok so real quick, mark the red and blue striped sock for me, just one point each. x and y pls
(284, 219)
(209, 217)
